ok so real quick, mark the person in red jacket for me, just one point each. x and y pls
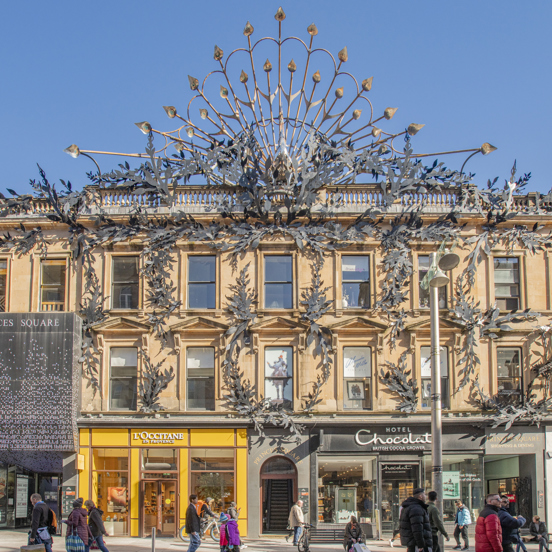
(488, 531)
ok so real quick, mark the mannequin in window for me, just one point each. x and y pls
(279, 370)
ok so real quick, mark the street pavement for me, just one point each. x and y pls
(11, 541)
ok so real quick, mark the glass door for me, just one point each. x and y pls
(398, 482)
(159, 507)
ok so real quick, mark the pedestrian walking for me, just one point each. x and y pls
(193, 526)
(396, 529)
(223, 541)
(96, 524)
(538, 531)
(461, 522)
(39, 525)
(488, 532)
(233, 511)
(77, 523)
(233, 535)
(435, 521)
(296, 520)
(508, 523)
(353, 534)
(415, 528)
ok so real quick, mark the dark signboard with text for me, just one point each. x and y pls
(39, 381)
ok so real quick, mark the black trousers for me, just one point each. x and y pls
(464, 533)
(436, 547)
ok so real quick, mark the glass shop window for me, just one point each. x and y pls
(125, 283)
(212, 475)
(123, 378)
(425, 372)
(52, 285)
(278, 285)
(201, 282)
(279, 376)
(158, 459)
(509, 373)
(200, 369)
(110, 488)
(355, 280)
(3, 285)
(423, 294)
(357, 378)
(506, 280)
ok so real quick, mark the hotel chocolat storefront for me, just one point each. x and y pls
(369, 470)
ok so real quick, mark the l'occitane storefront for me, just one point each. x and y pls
(141, 477)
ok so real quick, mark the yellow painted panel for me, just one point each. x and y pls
(183, 484)
(84, 437)
(211, 437)
(135, 483)
(134, 528)
(241, 481)
(110, 437)
(84, 475)
(241, 437)
(242, 526)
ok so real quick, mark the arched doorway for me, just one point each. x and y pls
(278, 493)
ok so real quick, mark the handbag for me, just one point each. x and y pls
(73, 543)
(360, 547)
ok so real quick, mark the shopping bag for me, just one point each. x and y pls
(73, 543)
(360, 547)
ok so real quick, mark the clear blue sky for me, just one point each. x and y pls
(84, 72)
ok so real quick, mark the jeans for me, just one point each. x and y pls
(464, 533)
(195, 541)
(47, 543)
(297, 531)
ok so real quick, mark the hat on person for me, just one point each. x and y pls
(223, 518)
(208, 499)
(77, 503)
(80, 500)
(418, 491)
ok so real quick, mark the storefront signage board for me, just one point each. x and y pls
(523, 440)
(21, 496)
(451, 485)
(159, 437)
(393, 439)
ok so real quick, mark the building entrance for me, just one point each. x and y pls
(159, 507)
(279, 492)
(398, 481)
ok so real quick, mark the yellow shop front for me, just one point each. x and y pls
(142, 477)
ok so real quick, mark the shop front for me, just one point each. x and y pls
(142, 477)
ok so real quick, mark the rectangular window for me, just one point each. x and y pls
(125, 284)
(201, 282)
(425, 354)
(278, 282)
(279, 376)
(200, 368)
(357, 378)
(423, 294)
(212, 476)
(52, 285)
(123, 378)
(506, 278)
(355, 280)
(3, 285)
(509, 372)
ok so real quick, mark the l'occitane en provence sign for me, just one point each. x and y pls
(158, 438)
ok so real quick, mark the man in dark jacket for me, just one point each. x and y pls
(435, 521)
(39, 524)
(193, 526)
(508, 524)
(488, 532)
(414, 525)
(96, 524)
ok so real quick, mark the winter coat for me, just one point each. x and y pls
(509, 524)
(95, 522)
(77, 524)
(192, 520)
(538, 528)
(40, 517)
(223, 536)
(233, 513)
(296, 517)
(488, 532)
(435, 520)
(233, 533)
(415, 529)
(463, 517)
(353, 531)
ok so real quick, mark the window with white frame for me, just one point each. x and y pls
(506, 280)
(425, 372)
(278, 286)
(355, 281)
(201, 282)
(125, 284)
(279, 376)
(357, 378)
(52, 285)
(508, 360)
(200, 378)
(123, 378)
(423, 294)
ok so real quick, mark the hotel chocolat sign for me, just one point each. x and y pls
(393, 438)
(39, 381)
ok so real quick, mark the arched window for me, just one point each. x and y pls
(278, 466)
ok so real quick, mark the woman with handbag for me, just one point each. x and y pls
(78, 532)
(353, 534)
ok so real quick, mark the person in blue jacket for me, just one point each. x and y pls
(509, 524)
(462, 520)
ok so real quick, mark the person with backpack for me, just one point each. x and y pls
(39, 533)
(193, 526)
(96, 524)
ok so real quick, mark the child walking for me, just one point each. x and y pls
(229, 534)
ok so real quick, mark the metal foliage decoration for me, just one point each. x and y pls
(398, 380)
(153, 381)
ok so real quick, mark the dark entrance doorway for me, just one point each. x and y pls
(159, 507)
(398, 481)
(279, 491)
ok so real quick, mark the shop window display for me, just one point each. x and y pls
(346, 487)
(110, 488)
(357, 378)
(425, 372)
(279, 376)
